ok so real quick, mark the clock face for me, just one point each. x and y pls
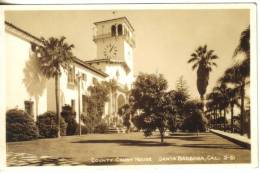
(110, 51)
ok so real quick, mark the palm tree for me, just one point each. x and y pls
(54, 55)
(212, 106)
(237, 76)
(214, 99)
(244, 43)
(210, 112)
(232, 96)
(223, 100)
(243, 68)
(203, 60)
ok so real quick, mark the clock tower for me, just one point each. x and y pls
(115, 42)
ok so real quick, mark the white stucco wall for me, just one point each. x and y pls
(69, 92)
(22, 82)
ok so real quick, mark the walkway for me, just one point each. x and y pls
(234, 137)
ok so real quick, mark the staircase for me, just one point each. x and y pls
(116, 130)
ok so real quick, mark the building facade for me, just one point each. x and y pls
(27, 89)
(115, 43)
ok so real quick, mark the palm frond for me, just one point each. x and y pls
(195, 66)
(214, 64)
(192, 59)
(244, 42)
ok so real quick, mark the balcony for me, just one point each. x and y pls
(129, 39)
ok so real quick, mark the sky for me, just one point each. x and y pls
(164, 39)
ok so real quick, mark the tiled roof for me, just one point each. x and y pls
(123, 18)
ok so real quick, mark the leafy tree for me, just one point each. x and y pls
(171, 109)
(181, 86)
(98, 96)
(125, 111)
(54, 55)
(149, 99)
(181, 94)
(203, 60)
(95, 104)
(70, 118)
(194, 121)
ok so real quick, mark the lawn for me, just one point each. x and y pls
(131, 148)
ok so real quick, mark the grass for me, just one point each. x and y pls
(134, 148)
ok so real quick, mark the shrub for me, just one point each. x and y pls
(90, 122)
(20, 126)
(101, 128)
(70, 118)
(47, 125)
(195, 122)
(84, 130)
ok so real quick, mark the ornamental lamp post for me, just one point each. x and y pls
(79, 76)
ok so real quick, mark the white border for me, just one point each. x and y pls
(254, 124)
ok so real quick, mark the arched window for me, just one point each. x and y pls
(120, 29)
(113, 30)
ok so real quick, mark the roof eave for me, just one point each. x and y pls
(117, 19)
(78, 61)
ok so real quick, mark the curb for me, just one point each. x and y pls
(241, 143)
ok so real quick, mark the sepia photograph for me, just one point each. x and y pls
(129, 85)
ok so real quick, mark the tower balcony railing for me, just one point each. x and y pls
(101, 36)
(129, 39)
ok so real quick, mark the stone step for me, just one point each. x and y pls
(116, 130)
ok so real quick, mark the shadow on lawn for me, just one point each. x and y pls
(127, 142)
(187, 134)
(219, 146)
(185, 138)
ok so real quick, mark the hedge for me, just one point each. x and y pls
(20, 126)
(47, 125)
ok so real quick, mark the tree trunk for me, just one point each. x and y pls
(220, 116)
(57, 97)
(224, 119)
(162, 135)
(202, 101)
(203, 111)
(232, 118)
(197, 130)
(242, 109)
(215, 118)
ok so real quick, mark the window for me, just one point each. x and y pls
(84, 77)
(71, 75)
(28, 107)
(113, 30)
(94, 80)
(117, 74)
(84, 103)
(120, 29)
(73, 105)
